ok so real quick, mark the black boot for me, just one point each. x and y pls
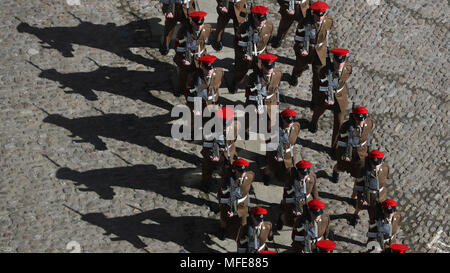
(280, 223)
(313, 128)
(163, 50)
(276, 43)
(293, 81)
(222, 234)
(233, 89)
(205, 187)
(266, 179)
(216, 45)
(354, 220)
(335, 177)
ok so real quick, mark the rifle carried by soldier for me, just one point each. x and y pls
(226, 3)
(352, 141)
(331, 83)
(309, 20)
(291, 5)
(252, 37)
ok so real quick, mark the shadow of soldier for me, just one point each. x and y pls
(124, 127)
(108, 37)
(190, 232)
(167, 182)
(116, 80)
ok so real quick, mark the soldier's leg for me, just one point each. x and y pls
(338, 121)
(269, 168)
(169, 28)
(318, 111)
(301, 64)
(240, 70)
(285, 23)
(208, 168)
(222, 22)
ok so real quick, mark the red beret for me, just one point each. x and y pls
(326, 245)
(241, 163)
(376, 154)
(303, 164)
(399, 248)
(226, 113)
(319, 6)
(267, 251)
(268, 58)
(259, 211)
(261, 10)
(316, 204)
(197, 15)
(288, 113)
(340, 52)
(389, 203)
(208, 59)
(360, 110)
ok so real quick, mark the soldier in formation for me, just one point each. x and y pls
(256, 233)
(174, 11)
(190, 45)
(301, 189)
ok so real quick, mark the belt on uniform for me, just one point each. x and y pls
(296, 2)
(234, 1)
(242, 199)
(262, 247)
(192, 98)
(292, 199)
(255, 98)
(344, 144)
(302, 238)
(325, 89)
(376, 191)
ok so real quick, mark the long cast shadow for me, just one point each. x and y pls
(109, 37)
(190, 232)
(123, 127)
(327, 195)
(166, 182)
(116, 80)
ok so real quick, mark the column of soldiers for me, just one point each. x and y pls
(350, 143)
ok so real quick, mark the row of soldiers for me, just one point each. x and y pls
(301, 207)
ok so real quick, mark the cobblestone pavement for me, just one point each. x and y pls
(86, 152)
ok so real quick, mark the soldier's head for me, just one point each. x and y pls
(389, 207)
(240, 167)
(288, 118)
(375, 159)
(303, 168)
(325, 246)
(360, 114)
(319, 9)
(259, 14)
(316, 209)
(207, 64)
(267, 63)
(340, 55)
(258, 215)
(398, 248)
(197, 19)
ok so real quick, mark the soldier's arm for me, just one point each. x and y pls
(327, 230)
(250, 85)
(299, 35)
(270, 237)
(315, 192)
(241, 36)
(165, 6)
(179, 56)
(208, 31)
(294, 133)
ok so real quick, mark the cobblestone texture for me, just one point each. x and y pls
(85, 101)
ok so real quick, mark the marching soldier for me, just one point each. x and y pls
(387, 224)
(253, 238)
(353, 140)
(290, 10)
(338, 72)
(204, 84)
(325, 246)
(219, 149)
(191, 45)
(301, 189)
(370, 189)
(228, 9)
(310, 228)
(174, 11)
(310, 41)
(397, 248)
(281, 160)
(233, 198)
(250, 42)
(262, 89)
